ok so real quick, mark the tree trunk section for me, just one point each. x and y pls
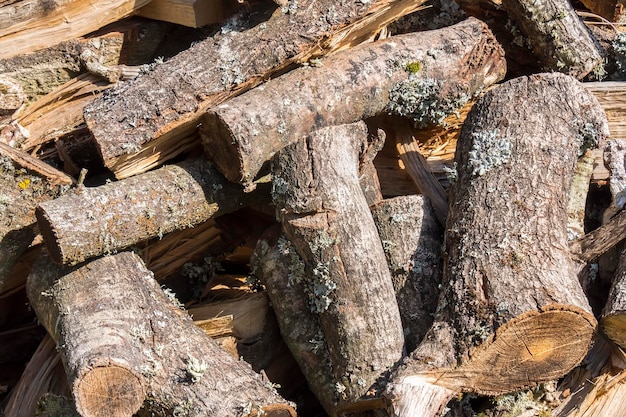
(118, 351)
(557, 35)
(282, 271)
(412, 240)
(325, 215)
(94, 221)
(511, 300)
(159, 109)
(423, 75)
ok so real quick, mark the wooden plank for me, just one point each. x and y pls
(30, 25)
(192, 13)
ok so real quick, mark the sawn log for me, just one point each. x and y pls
(511, 300)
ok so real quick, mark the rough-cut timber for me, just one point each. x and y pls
(152, 114)
(122, 340)
(325, 215)
(29, 25)
(95, 221)
(412, 240)
(512, 312)
(557, 35)
(192, 13)
(423, 75)
(614, 314)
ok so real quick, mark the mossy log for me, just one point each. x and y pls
(94, 221)
(156, 111)
(141, 353)
(325, 215)
(425, 76)
(557, 35)
(511, 300)
(412, 239)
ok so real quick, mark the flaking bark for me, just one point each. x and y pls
(122, 340)
(511, 300)
(425, 76)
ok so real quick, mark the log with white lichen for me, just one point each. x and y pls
(512, 312)
(279, 267)
(154, 113)
(94, 221)
(127, 348)
(325, 215)
(425, 76)
(557, 35)
(412, 240)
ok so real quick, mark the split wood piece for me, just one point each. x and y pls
(557, 35)
(29, 25)
(93, 221)
(400, 131)
(412, 240)
(119, 350)
(21, 191)
(158, 110)
(279, 267)
(425, 76)
(11, 96)
(164, 256)
(368, 175)
(191, 13)
(614, 315)
(324, 214)
(44, 373)
(511, 300)
(612, 10)
(577, 202)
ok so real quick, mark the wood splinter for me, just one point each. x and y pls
(511, 299)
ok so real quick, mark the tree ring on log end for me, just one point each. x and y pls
(109, 391)
(534, 347)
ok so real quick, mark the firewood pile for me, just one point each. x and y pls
(313, 208)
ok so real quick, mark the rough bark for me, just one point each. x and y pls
(119, 350)
(614, 315)
(20, 193)
(425, 76)
(511, 300)
(557, 35)
(157, 110)
(94, 221)
(325, 215)
(412, 240)
(279, 267)
(600, 240)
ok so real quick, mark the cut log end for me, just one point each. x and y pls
(124, 392)
(229, 163)
(416, 395)
(527, 350)
(274, 410)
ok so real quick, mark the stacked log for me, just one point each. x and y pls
(379, 276)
